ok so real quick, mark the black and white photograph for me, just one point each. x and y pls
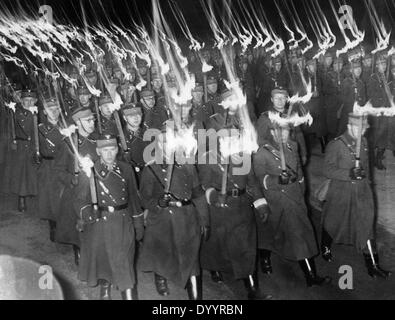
(219, 151)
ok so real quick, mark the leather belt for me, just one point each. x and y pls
(235, 193)
(113, 209)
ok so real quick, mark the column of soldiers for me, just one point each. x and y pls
(188, 223)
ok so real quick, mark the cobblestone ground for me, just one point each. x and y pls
(25, 236)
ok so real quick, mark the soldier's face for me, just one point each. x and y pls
(277, 66)
(108, 154)
(106, 109)
(134, 120)
(357, 71)
(28, 102)
(328, 61)
(143, 71)
(86, 124)
(311, 67)
(381, 67)
(118, 74)
(367, 63)
(132, 76)
(279, 101)
(149, 102)
(157, 84)
(338, 66)
(92, 79)
(52, 113)
(212, 88)
(197, 96)
(84, 98)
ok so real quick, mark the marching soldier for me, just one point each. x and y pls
(110, 219)
(353, 89)
(154, 115)
(277, 77)
(84, 98)
(286, 230)
(383, 128)
(348, 213)
(232, 243)
(68, 170)
(51, 143)
(177, 218)
(106, 106)
(367, 69)
(134, 134)
(279, 101)
(20, 177)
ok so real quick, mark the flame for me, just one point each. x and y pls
(86, 164)
(391, 51)
(206, 67)
(294, 120)
(237, 99)
(302, 99)
(368, 109)
(11, 105)
(181, 141)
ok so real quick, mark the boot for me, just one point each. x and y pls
(372, 264)
(326, 243)
(105, 290)
(216, 276)
(127, 294)
(379, 159)
(309, 270)
(77, 255)
(52, 230)
(194, 288)
(161, 285)
(266, 264)
(21, 204)
(253, 292)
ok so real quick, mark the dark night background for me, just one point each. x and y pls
(122, 10)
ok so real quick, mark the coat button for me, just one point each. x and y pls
(103, 201)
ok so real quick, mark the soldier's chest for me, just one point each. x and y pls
(111, 186)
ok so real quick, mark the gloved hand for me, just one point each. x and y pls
(221, 200)
(286, 177)
(37, 158)
(164, 201)
(14, 146)
(74, 180)
(205, 232)
(263, 213)
(357, 173)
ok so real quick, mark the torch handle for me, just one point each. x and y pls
(359, 143)
(149, 86)
(205, 87)
(224, 179)
(169, 176)
(92, 183)
(35, 129)
(135, 96)
(282, 157)
(13, 133)
(99, 125)
(120, 131)
(76, 161)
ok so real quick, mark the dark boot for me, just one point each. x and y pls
(22, 204)
(374, 269)
(105, 290)
(77, 255)
(216, 276)
(194, 288)
(253, 293)
(310, 273)
(161, 285)
(266, 264)
(379, 159)
(326, 243)
(52, 230)
(127, 294)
